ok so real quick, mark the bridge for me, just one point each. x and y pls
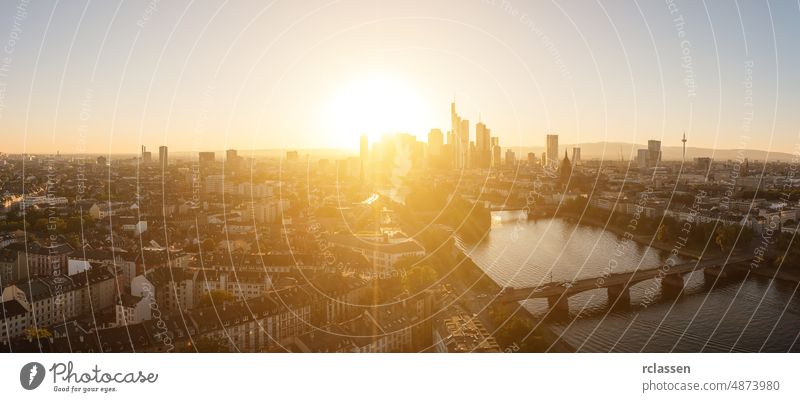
(618, 284)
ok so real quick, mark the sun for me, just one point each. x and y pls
(376, 104)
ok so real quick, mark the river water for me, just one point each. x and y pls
(747, 314)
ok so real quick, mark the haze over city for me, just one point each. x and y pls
(248, 75)
(485, 176)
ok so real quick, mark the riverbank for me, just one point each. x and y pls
(641, 239)
(771, 273)
(765, 271)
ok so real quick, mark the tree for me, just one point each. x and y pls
(514, 330)
(660, 232)
(726, 236)
(216, 296)
(38, 333)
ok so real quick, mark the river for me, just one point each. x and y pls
(748, 314)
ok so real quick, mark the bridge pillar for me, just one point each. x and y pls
(619, 296)
(672, 284)
(559, 305)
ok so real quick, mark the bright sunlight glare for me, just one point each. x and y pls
(377, 104)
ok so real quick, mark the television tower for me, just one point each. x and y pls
(684, 146)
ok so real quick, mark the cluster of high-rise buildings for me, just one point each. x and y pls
(650, 157)
(232, 157)
(484, 152)
(457, 149)
(163, 156)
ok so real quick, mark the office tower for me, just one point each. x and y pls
(460, 136)
(453, 137)
(482, 139)
(495, 142)
(474, 160)
(552, 149)
(146, 156)
(653, 152)
(531, 159)
(435, 142)
(641, 158)
(232, 159)
(292, 156)
(162, 156)
(464, 135)
(544, 159)
(576, 156)
(511, 159)
(206, 158)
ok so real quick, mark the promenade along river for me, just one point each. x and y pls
(747, 314)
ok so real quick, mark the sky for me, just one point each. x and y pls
(107, 76)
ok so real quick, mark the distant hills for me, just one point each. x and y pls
(613, 150)
(589, 150)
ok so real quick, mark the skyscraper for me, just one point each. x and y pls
(641, 158)
(482, 139)
(459, 130)
(162, 156)
(495, 143)
(464, 136)
(511, 158)
(653, 152)
(435, 142)
(552, 149)
(576, 155)
(146, 156)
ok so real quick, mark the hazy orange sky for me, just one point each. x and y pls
(106, 76)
